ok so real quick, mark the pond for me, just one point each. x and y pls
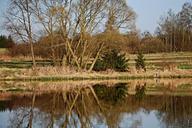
(98, 104)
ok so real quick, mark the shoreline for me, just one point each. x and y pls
(91, 77)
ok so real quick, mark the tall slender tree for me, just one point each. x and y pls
(19, 22)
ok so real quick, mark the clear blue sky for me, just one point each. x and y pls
(148, 11)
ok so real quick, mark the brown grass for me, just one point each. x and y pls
(66, 73)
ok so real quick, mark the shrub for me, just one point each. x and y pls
(140, 62)
(112, 60)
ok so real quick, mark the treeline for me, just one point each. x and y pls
(175, 29)
(80, 32)
(6, 42)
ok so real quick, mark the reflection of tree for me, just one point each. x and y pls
(176, 112)
(85, 107)
(77, 108)
(23, 117)
(112, 94)
(111, 98)
(140, 91)
(3, 105)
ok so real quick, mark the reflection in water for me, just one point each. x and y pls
(112, 94)
(98, 106)
(140, 91)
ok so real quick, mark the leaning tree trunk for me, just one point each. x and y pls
(97, 56)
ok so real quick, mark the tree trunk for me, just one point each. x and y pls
(97, 56)
(32, 54)
(29, 32)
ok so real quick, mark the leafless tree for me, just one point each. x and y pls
(19, 21)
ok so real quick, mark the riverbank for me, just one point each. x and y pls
(63, 74)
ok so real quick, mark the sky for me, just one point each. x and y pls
(148, 12)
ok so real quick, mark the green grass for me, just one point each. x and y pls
(185, 66)
(24, 64)
(15, 90)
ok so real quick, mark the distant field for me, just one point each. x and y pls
(163, 55)
(183, 60)
(164, 58)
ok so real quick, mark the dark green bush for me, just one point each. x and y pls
(140, 62)
(112, 60)
(99, 66)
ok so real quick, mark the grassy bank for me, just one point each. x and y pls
(61, 74)
(162, 65)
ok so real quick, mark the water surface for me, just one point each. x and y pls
(125, 104)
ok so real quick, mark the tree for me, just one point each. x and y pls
(19, 22)
(112, 60)
(140, 91)
(6, 42)
(3, 41)
(45, 14)
(185, 16)
(73, 25)
(151, 44)
(185, 22)
(175, 29)
(120, 16)
(167, 28)
(140, 62)
(133, 41)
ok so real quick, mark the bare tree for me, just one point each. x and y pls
(76, 22)
(120, 16)
(45, 13)
(19, 21)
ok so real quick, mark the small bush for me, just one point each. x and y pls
(140, 62)
(112, 60)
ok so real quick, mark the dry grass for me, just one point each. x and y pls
(25, 58)
(51, 71)
(61, 73)
(5, 57)
(162, 70)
